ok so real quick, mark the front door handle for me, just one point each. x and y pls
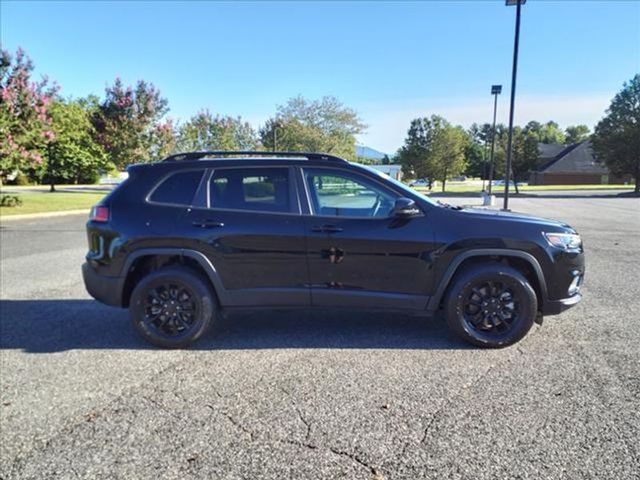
(207, 224)
(326, 229)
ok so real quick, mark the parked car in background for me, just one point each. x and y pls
(421, 182)
(501, 183)
(183, 240)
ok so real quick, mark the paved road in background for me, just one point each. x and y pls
(290, 395)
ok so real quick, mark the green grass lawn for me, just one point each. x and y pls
(38, 202)
(526, 188)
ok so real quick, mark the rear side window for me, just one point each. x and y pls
(178, 188)
(257, 189)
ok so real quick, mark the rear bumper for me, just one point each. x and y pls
(554, 307)
(107, 290)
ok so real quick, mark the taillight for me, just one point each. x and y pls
(99, 213)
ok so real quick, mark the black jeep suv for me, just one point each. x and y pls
(199, 233)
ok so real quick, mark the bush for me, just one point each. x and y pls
(10, 201)
(22, 180)
(89, 178)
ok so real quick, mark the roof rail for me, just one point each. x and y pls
(226, 153)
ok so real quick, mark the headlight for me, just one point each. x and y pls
(565, 241)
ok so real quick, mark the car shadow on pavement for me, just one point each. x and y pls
(43, 326)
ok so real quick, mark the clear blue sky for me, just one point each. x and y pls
(389, 61)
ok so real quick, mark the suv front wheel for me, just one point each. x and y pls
(491, 305)
(172, 307)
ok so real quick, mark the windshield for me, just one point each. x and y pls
(397, 183)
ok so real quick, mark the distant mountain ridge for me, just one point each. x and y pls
(368, 152)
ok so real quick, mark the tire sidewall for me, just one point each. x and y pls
(524, 292)
(203, 297)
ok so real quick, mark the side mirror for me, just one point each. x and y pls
(405, 207)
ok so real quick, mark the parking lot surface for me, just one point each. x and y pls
(280, 395)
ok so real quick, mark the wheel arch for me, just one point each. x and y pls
(524, 262)
(146, 260)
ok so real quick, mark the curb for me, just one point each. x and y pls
(27, 216)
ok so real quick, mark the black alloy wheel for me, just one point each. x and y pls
(491, 305)
(172, 307)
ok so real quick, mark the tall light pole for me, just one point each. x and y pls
(514, 71)
(495, 91)
(276, 125)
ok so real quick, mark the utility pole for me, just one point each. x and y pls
(514, 72)
(495, 91)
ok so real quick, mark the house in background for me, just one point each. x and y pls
(570, 165)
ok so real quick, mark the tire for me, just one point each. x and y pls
(498, 313)
(186, 304)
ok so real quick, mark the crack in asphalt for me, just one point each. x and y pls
(449, 399)
(163, 408)
(374, 471)
(306, 444)
(298, 411)
(18, 463)
(236, 423)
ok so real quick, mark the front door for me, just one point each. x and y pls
(359, 254)
(251, 230)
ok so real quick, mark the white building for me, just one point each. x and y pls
(393, 170)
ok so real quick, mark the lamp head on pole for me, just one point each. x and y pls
(510, 3)
(496, 89)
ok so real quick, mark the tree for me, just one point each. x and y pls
(476, 151)
(126, 122)
(162, 140)
(525, 153)
(448, 152)
(433, 149)
(415, 155)
(616, 141)
(324, 125)
(25, 122)
(576, 134)
(551, 133)
(385, 160)
(75, 156)
(203, 131)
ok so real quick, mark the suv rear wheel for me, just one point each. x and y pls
(172, 307)
(491, 305)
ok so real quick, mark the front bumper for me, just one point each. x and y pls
(107, 290)
(554, 307)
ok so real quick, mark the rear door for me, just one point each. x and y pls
(359, 254)
(249, 226)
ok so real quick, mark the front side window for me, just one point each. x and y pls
(340, 194)
(178, 188)
(257, 189)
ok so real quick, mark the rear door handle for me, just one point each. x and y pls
(326, 229)
(207, 224)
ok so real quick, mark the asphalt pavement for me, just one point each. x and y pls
(279, 395)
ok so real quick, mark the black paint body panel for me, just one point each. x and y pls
(258, 259)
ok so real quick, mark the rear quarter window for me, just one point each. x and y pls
(178, 188)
